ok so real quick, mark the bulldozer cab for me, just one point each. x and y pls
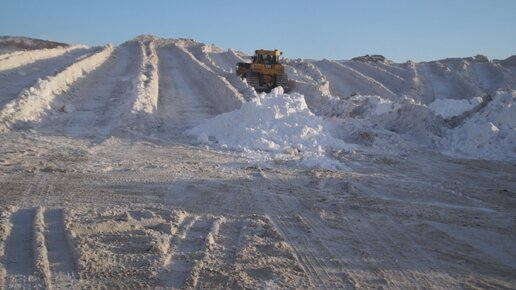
(267, 59)
(267, 56)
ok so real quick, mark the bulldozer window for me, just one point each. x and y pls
(266, 59)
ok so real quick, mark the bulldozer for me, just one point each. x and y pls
(265, 72)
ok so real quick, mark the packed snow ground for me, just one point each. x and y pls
(151, 165)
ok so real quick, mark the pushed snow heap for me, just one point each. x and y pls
(275, 123)
(490, 133)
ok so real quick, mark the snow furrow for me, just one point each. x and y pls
(189, 91)
(31, 103)
(216, 89)
(21, 59)
(14, 81)
(345, 81)
(392, 82)
(101, 102)
(224, 64)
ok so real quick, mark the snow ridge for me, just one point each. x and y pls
(147, 86)
(225, 96)
(15, 60)
(34, 100)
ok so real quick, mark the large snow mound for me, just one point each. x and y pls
(277, 125)
(490, 133)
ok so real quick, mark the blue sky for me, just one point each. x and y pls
(332, 29)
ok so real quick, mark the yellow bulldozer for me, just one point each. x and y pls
(265, 72)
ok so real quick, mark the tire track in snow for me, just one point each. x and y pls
(331, 259)
(230, 241)
(350, 257)
(31, 266)
(60, 255)
(374, 255)
(19, 252)
(205, 255)
(187, 246)
(320, 273)
(328, 266)
(304, 249)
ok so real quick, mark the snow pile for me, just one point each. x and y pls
(490, 133)
(364, 106)
(274, 126)
(385, 126)
(413, 117)
(448, 108)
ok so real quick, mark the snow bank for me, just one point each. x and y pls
(448, 108)
(147, 86)
(490, 133)
(274, 126)
(19, 59)
(34, 100)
